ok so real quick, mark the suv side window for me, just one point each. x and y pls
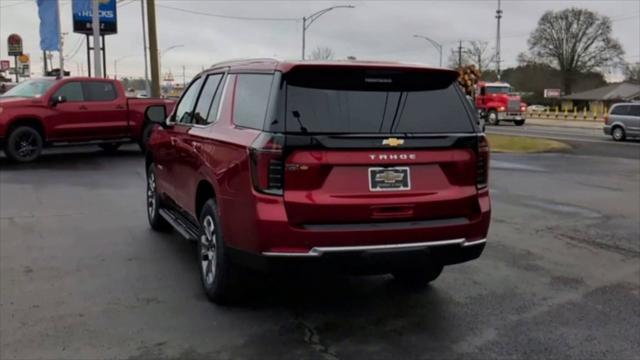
(634, 110)
(100, 91)
(184, 110)
(251, 100)
(203, 106)
(620, 110)
(215, 106)
(72, 91)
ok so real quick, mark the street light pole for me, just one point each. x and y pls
(308, 20)
(435, 44)
(161, 53)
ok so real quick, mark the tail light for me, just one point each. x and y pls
(482, 163)
(267, 163)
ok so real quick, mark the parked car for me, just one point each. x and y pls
(48, 112)
(538, 108)
(623, 121)
(351, 166)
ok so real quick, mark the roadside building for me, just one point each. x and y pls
(600, 99)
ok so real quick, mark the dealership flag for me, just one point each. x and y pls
(49, 25)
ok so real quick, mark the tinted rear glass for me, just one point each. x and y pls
(319, 110)
(100, 91)
(620, 110)
(634, 110)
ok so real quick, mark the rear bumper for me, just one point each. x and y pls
(272, 239)
(363, 260)
(506, 116)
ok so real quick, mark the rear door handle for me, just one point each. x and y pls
(119, 107)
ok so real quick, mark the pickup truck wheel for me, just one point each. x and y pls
(24, 144)
(156, 221)
(418, 276)
(492, 118)
(146, 135)
(519, 122)
(216, 270)
(110, 147)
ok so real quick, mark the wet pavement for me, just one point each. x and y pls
(82, 276)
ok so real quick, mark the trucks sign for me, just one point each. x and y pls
(83, 12)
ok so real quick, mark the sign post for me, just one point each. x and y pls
(14, 44)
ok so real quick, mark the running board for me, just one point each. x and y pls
(180, 223)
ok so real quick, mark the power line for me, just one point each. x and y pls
(227, 16)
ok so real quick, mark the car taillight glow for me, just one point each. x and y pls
(482, 163)
(501, 108)
(267, 163)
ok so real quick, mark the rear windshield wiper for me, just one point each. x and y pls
(296, 114)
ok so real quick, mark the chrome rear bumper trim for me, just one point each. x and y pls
(321, 250)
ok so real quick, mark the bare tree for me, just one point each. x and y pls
(477, 53)
(322, 53)
(574, 40)
(632, 73)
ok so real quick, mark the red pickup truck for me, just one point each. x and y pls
(48, 112)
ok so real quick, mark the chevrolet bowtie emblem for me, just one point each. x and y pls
(392, 141)
(389, 177)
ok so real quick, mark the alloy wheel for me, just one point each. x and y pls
(151, 195)
(618, 134)
(26, 145)
(208, 248)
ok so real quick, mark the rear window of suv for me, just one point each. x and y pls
(362, 102)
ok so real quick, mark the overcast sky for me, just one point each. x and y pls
(372, 30)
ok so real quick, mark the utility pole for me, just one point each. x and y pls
(460, 54)
(95, 24)
(498, 16)
(144, 44)
(153, 48)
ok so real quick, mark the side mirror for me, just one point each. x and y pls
(156, 114)
(58, 100)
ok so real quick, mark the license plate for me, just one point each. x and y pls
(389, 179)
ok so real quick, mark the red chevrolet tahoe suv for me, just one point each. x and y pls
(363, 167)
(76, 110)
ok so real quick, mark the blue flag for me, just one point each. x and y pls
(49, 25)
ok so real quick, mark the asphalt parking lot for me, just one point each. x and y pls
(82, 276)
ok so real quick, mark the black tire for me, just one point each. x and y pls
(618, 133)
(154, 203)
(217, 273)
(110, 147)
(519, 122)
(145, 136)
(418, 276)
(24, 144)
(492, 118)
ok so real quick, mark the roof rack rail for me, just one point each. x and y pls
(241, 61)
